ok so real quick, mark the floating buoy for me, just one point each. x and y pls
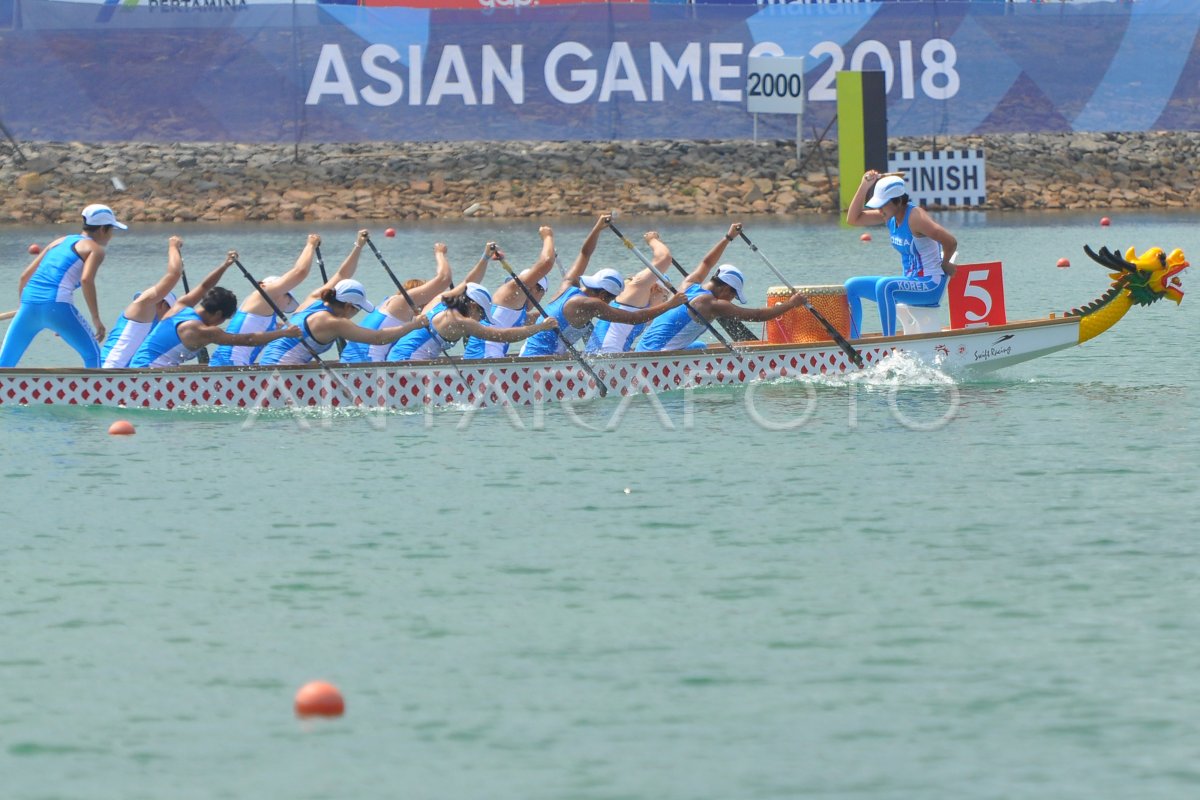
(628, 490)
(319, 699)
(1062, 262)
(866, 237)
(34, 249)
(121, 427)
(1105, 222)
(390, 233)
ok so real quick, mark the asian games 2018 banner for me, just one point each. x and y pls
(249, 71)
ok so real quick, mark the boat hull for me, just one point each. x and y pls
(518, 381)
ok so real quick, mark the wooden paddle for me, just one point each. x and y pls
(847, 348)
(7, 315)
(570, 347)
(665, 281)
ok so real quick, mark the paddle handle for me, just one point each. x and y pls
(7, 315)
(321, 264)
(404, 292)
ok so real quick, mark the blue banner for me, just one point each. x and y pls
(247, 71)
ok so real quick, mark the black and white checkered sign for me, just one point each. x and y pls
(954, 178)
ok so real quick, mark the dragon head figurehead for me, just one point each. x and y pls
(1160, 273)
(1136, 280)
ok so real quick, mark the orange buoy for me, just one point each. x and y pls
(1062, 262)
(319, 699)
(34, 249)
(121, 427)
(390, 233)
(866, 237)
(1105, 222)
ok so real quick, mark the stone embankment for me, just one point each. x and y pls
(391, 181)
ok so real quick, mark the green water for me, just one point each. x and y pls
(892, 585)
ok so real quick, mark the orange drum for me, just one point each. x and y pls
(798, 325)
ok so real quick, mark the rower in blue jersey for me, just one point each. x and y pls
(510, 305)
(397, 310)
(641, 291)
(926, 252)
(139, 317)
(583, 298)
(143, 314)
(47, 290)
(256, 314)
(327, 319)
(465, 309)
(195, 322)
(681, 327)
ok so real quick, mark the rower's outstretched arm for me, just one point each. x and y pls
(480, 269)
(700, 273)
(545, 258)
(147, 299)
(723, 308)
(212, 334)
(299, 271)
(470, 327)
(174, 270)
(620, 315)
(348, 330)
(660, 254)
(585, 251)
(421, 295)
(349, 265)
(210, 280)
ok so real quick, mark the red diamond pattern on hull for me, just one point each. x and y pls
(482, 384)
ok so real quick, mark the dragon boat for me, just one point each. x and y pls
(1136, 280)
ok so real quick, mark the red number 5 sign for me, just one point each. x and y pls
(976, 295)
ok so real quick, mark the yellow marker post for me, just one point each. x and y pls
(862, 128)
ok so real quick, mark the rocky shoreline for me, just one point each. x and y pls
(408, 181)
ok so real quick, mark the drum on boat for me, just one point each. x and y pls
(797, 325)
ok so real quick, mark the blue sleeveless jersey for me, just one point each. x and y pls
(228, 355)
(675, 329)
(360, 352)
(123, 341)
(57, 276)
(163, 347)
(421, 343)
(920, 256)
(293, 351)
(547, 343)
(505, 318)
(615, 337)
